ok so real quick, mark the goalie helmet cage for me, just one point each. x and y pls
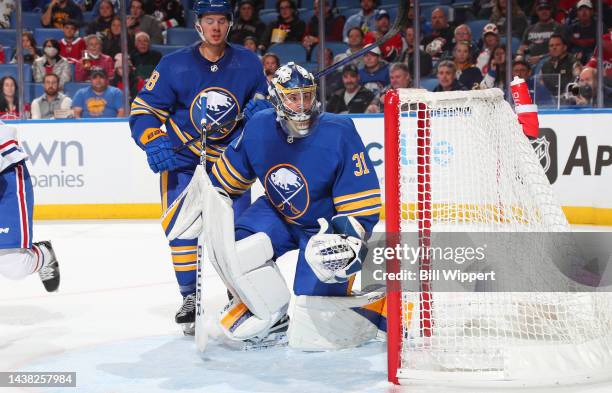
(458, 161)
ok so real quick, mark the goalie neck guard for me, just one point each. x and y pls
(293, 92)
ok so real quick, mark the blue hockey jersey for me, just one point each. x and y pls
(322, 175)
(171, 96)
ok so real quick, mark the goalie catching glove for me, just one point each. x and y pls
(337, 251)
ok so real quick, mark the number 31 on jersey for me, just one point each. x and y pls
(360, 164)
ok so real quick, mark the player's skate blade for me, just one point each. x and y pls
(185, 316)
(50, 273)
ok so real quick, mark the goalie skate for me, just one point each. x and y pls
(277, 337)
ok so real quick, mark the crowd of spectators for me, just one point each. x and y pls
(554, 50)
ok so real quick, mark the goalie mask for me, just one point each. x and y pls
(203, 7)
(293, 92)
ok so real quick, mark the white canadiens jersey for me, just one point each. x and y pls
(10, 151)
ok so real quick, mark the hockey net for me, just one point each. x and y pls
(458, 161)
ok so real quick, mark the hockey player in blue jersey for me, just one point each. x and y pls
(231, 76)
(322, 197)
(20, 257)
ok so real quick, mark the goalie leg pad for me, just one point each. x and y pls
(263, 293)
(183, 218)
(320, 323)
(260, 284)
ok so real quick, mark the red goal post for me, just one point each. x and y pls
(457, 161)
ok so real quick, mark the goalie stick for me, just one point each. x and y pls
(201, 336)
(400, 22)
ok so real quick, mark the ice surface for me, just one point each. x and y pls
(112, 323)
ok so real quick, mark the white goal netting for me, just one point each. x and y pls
(465, 166)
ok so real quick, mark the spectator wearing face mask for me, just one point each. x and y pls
(52, 63)
(93, 57)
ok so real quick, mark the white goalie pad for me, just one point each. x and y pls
(245, 267)
(189, 209)
(320, 323)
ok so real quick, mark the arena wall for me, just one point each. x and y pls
(91, 169)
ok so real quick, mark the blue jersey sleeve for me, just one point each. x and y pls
(356, 191)
(151, 107)
(233, 172)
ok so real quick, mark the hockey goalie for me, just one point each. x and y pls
(321, 197)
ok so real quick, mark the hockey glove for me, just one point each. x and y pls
(335, 257)
(254, 106)
(160, 154)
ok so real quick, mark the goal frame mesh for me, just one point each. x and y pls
(601, 349)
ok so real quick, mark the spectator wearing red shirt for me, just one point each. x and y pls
(391, 48)
(93, 57)
(607, 56)
(71, 47)
(334, 24)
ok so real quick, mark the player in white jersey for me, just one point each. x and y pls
(20, 257)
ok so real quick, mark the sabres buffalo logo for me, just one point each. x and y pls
(288, 190)
(222, 107)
